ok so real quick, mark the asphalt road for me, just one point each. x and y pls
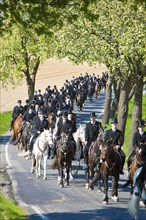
(44, 199)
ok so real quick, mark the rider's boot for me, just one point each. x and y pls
(128, 181)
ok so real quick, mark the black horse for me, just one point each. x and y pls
(110, 167)
(63, 159)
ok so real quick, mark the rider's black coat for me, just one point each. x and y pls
(91, 131)
(115, 137)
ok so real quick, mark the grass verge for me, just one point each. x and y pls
(9, 210)
(5, 119)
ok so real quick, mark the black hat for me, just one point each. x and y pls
(92, 114)
(69, 111)
(140, 124)
(27, 100)
(114, 121)
(19, 101)
(64, 114)
(40, 112)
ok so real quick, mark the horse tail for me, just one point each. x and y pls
(54, 165)
(133, 206)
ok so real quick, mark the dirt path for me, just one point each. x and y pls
(51, 72)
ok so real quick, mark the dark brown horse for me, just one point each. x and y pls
(64, 155)
(94, 158)
(26, 135)
(16, 128)
(80, 101)
(110, 167)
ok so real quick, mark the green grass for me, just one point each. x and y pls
(10, 211)
(5, 119)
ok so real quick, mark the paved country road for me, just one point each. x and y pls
(45, 200)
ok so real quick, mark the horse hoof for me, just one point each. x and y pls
(44, 178)
(141, 204)
(37, 177)
(87, 185)
(115, 198)
(99, 190)
(32, 171)
(104, 202)
(61, 186)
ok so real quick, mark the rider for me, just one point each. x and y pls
(17, 110)
(38, 126)
(91, 134)
(139, 141)
(116, 137)
(64, 126)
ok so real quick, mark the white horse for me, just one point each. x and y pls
(40, 151)
(137, 194)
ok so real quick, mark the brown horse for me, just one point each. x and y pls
(17, 125)
(64, 155)
(110, 167)
(51, 121)
(97, 90)
(80, 101)
(135, 162)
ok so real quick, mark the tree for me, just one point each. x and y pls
(22, 51)
(115, 39)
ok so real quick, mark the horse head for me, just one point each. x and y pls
(65, 143)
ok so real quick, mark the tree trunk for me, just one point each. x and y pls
(30, 79)
(106, 115)
(123, 104)
(137, 109)
(116, 87)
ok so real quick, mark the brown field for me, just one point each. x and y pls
(51, 72)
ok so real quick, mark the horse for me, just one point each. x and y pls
(79, 137)
(135, 163)
(91, 90)
(40, 151)
(97, 90)
(16, 128)
(94, 158)
(80, 101)
(26, 135)
(63, 159)
(111, 166)
(138, 193)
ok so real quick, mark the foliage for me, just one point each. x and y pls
(129, 122)
(101, 35)
(9, 210)
(5, 119)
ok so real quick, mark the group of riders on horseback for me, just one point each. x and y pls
(59, 105)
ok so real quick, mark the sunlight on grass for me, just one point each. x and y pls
(10, 211)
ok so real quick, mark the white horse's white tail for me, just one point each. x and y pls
(133, 206)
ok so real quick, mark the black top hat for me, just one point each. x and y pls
(64, 114)
(140, 123)
(19, 101)
(92, 114)
(40, 112)
(114, 121)
(27, 100)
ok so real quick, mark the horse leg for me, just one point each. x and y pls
(60, 169)
(37, 167)
(33, 163)
(45, 167)
(105, 196)
(114, 195)
(67, 173)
